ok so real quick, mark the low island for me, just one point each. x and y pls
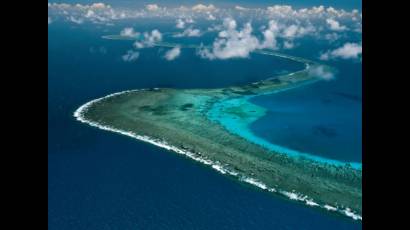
(187, 121)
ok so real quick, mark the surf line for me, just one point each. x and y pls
(292, 195)
(246, 133)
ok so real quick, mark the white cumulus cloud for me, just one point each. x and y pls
(180, 24)
(295, 31)
(233, 43)
(189, 32)
(173, 53)
(210, 17)
(130, 56)
(76, 20)
(99, 6)
(335, 25)
(240, 8)
(347, 51)
(288, 45)
(152, 7)
(321, 72)
(129, 32)
(290, 31)
(189, 20)
(149, 39)
(281, 10)
(270, 35)
(101, 13)
(204, 8)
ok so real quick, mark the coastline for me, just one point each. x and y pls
(158, 116)
(217, 166)
(241, 127)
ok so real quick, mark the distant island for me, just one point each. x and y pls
(188, 122)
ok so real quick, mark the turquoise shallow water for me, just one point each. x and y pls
(319, 120)
(323, 118)
(241, 126)
(101, 180)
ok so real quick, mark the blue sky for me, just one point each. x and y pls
(343, 4)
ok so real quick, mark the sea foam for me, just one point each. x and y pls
(79, 115)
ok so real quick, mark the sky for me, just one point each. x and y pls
(241, 28)
(345, 4)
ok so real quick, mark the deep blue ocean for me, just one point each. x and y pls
(101, 180)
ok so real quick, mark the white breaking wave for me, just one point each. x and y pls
(351, 214)
(254, 182)
(78, 114)
(311, 203)
(330, 208)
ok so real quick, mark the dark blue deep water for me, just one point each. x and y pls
(101, 180)
(323, 119)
